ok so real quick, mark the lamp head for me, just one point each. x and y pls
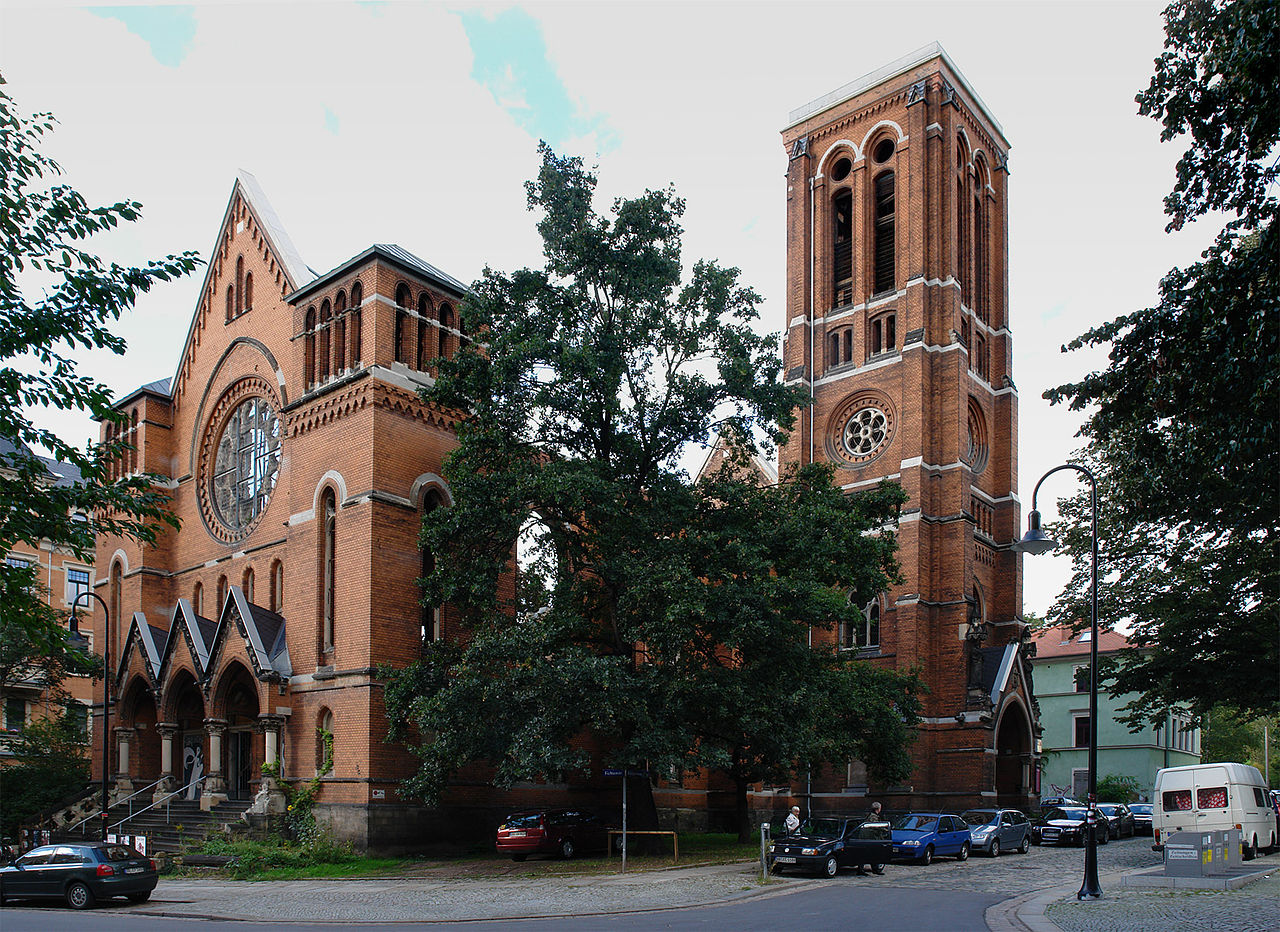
(1035, 541)
(74, 637)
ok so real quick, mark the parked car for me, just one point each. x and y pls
(995, 830)
(560, 832)
(1141, 818)
(826, 845)
(1053, 802)
(80, 874)
(1119, 819)
(921, 836)
(1066, 825)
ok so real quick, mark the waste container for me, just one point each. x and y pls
(1201, 854)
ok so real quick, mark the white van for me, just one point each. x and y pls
(1214, 797)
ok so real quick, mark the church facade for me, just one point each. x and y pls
(301, 458)
(897, 323)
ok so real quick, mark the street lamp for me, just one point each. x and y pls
(1035, 541)
(77, 638)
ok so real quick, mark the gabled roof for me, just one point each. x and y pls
(388, 252)
(765, 471)
(159, 388)
(1059, 641)
(262, 629)
(13, 454)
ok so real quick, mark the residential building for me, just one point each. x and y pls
(1061, 667)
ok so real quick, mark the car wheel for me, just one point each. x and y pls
(776, 868)
(1025, 846)
(518, 857)
(566, 849)
(877, 868)
(964, 852)
(927, 858)
(1249, 852)
(831, 867)
(139, 897)
(79, 896)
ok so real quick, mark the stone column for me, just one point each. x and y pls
(215, 784)
(124, 782)
(167, 731)
(270, 798)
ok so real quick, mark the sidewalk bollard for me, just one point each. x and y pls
(764, 851)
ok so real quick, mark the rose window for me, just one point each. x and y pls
(866, 431)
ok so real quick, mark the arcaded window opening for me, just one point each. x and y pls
(357, 297)
(326, 316)
(885, 258)
(840, 347)
(277, 587)
(883, 334)
(424, 332)
(842, 249)
(309, 341)
(246, 583)
(446, 338)
(328, 565)
(431, 620)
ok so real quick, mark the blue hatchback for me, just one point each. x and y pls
(921, 836)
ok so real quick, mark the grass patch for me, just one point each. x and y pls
(278, 859)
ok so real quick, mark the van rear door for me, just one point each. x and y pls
(1213, 796)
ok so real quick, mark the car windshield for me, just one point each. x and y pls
(821, 827)
(1072, 814)
(979, 817)
(524, 820)
(916, 823)
(1107, 808)
(1144, 808)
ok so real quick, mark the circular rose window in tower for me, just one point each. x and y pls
(239, 461)
(861, 429)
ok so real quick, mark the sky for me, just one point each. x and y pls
(417, 123)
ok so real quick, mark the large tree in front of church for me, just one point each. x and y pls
(665, 621)
(58, 299)
(1182, 425)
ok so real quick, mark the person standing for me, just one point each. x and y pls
(873, 814)
(792, 823)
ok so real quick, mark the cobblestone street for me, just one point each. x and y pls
(1252, 908)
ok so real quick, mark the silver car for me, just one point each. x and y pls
(996, 830)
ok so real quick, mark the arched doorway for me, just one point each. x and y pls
(138, 716)
(187, 705)
(1013, 756)
(237, 705)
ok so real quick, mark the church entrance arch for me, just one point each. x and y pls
(1013, 756)
(139, 741)
(188, 715)
(237, 705)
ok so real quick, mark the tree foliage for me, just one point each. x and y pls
(44, 229)
(50, 762)
(670, 620)
(1182, 430)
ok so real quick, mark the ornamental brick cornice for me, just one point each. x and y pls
(408, 404)
(861, 114)
(327, 408)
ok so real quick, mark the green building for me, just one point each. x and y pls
(1061, 676)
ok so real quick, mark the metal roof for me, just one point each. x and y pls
(389, 252)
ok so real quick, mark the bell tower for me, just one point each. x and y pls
(897, 323)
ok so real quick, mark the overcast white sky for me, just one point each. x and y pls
(417, 123)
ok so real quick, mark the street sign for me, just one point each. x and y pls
(612, 772)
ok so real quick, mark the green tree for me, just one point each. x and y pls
(669, 619)
(44, 228)
(50, 762)
(1117, 788)
(1183, 430)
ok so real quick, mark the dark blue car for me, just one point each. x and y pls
(922, 836)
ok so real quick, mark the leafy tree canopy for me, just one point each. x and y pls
(44, 228)
(670, 619)
(1183, 430)
(50, 762)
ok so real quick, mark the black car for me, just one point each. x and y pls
(1141, 818)
(826, 845)
(79, 874)
(1120, 819)
(1066, 826)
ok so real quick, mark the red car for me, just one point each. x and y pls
(560, 832)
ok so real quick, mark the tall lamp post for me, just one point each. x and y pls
(78, 638)
(1035, 541)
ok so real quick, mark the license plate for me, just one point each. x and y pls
(134, 870)
(781, 860)
(515, 834)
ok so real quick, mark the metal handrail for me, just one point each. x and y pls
(167, 800)
(128, 799)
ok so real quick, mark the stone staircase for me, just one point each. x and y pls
(169, 827)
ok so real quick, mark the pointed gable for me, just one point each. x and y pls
(149, 642)
(262, 632)
(756, 470)
(250, 214)
(195, 632)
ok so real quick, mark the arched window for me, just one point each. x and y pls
(246, 583)
(883, 334)
(842, 244)
(978, 357)
(277, 587)
(117, 596)
(248, 291)
(357, 298)
(239, 284)
(431, 624)
(447, 342)
(328, 567)
(402, 348)
(886, 275)
(231, 302)
(979, 288)
(222, 595)
(133, 440)
(326, 317)
(325, 745)
(340, 333)
(863, 633)
(840, 347)
(424, 333)
(309, 365)
(197, 598)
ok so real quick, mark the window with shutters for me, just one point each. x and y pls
(842, 255)
(885, 273)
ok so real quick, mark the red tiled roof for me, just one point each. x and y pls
(1058, 641)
